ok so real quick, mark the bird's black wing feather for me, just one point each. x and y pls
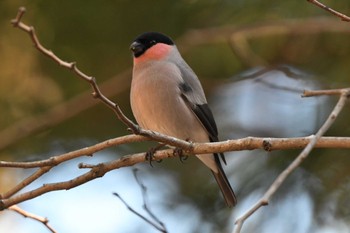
(201, 110)
(205, 116)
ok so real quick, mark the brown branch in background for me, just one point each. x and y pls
(240, 46)
(309, 93)
(264, 200)
(35, 217)
(330, 10)
(239, 36)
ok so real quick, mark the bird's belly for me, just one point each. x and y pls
(163, 110)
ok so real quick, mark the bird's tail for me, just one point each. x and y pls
(224, 184)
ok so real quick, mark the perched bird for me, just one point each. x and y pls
(166, 96)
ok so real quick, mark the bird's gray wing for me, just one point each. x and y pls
(193, 95)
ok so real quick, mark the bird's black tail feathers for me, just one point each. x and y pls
(224, 184)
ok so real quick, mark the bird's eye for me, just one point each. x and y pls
(153, 42)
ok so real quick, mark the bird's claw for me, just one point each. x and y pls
(179, 152)
(149, 156)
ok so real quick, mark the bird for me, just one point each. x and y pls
(166, 96)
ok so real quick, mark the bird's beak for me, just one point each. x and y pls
(137, 48)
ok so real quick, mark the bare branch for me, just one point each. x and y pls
(145, 203)
(309, 93)
(238, 37)
(344, 94)
(138, 214)
(35, 217)
(24, 183)
(87, 151)
(99, 170)
(96, 171)
(249, 143)
(157, 224)
(330, 10)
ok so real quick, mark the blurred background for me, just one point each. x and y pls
(254, 59)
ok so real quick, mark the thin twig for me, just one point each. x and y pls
(330, 10)
(145, 202)
(138, 214)
(344, 94)
(157, 224)
(35, 217)
(309, 93)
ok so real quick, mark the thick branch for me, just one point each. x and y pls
(99, 170)
(249, 143)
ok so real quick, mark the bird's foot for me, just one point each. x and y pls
(179, 152)
(149, 156)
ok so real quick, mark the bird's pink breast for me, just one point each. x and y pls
(156, 52)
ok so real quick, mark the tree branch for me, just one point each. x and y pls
(156, 223)
(248, 143)
(35, 217)
(330, 10)
(264, 200)
(96, 171)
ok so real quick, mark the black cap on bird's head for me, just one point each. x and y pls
(147, 40)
